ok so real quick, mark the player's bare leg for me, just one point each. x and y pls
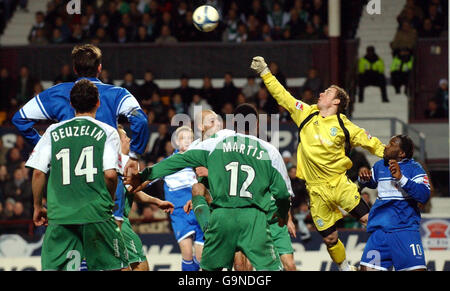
(140, 266)
(241, 263)
(198, 251)
(186, 249)
(288, 262)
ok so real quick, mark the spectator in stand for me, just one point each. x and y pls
(251, 88)
(434, 110)
(241, 99)
(142, 35)
(130, 84)
(295, 24)
(39, 24)
(409, 15)
(77, 34)
(228, 93)
(185, 90)
(313, 82)
(258, 11)
(159, 144)
(266, 33)
(178, 104)
(401, 68)
(277, 20)
(149, 86)
(168, 149)
(441, 95)
(427, 30)
(39, 38)
(226, 109)
(63, 27)
(301, 12)
(3, 154)
(105, 78)
(102, 35)
(19, 189)
(310, 32)
(197, 100)
(166, 36)
(274, 68)
(231, 30)
(287, 159)
(406, 37)
(436, 18)
(103, 23)
(6, 89)
(24, 85)
(207, 91)
(265, 102)
(65, 75)
(299, 202)
(319, 8)
(371, 73)
(122, 36)
(242, 34)
(285, 116)
(308, 96)
(9, 209)
(254, 28)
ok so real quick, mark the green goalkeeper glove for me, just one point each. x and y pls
(259, 66)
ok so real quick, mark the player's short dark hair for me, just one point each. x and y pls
(84, 96)
(86, 58)
(406, 144)
(248, 111)
(342, 95)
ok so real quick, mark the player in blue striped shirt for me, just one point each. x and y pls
(394, 220)
(54, 104)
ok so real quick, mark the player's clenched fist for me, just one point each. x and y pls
(365, 174)
(259, 66)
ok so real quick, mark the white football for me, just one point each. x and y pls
(206, 18)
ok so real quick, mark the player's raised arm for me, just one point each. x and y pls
(129, 106)
(360, 137)
(34, 110)
(296, 108)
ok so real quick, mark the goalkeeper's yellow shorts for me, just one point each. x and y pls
(327, 196)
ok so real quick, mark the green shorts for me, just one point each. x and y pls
(101, 244)
(281, 239)
(239, 229)
(133, 243)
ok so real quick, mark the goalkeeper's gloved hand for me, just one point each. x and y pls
(259, 66)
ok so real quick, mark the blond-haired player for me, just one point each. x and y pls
(325, 139)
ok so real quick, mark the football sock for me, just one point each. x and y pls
(337, 252)
(188, 265)
(201, 211)
(196, 264)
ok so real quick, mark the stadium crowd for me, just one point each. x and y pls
(170, 21)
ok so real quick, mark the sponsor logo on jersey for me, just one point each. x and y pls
(368, 135)
(299, 105)
(319, 222)
(426, 181)
(333, 131)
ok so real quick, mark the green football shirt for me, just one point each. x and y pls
(77, 152)
(243, 171)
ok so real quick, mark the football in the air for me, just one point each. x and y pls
(206, 18)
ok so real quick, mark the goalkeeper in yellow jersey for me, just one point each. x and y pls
(325, 139)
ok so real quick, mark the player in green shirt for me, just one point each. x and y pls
(136, 257)
(83, 155)
(242, 171)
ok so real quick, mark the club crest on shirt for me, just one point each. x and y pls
(368, 135)
(333, 131)
(319, 222)
(299, 105)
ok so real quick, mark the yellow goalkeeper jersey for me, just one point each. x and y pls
(321, 152)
